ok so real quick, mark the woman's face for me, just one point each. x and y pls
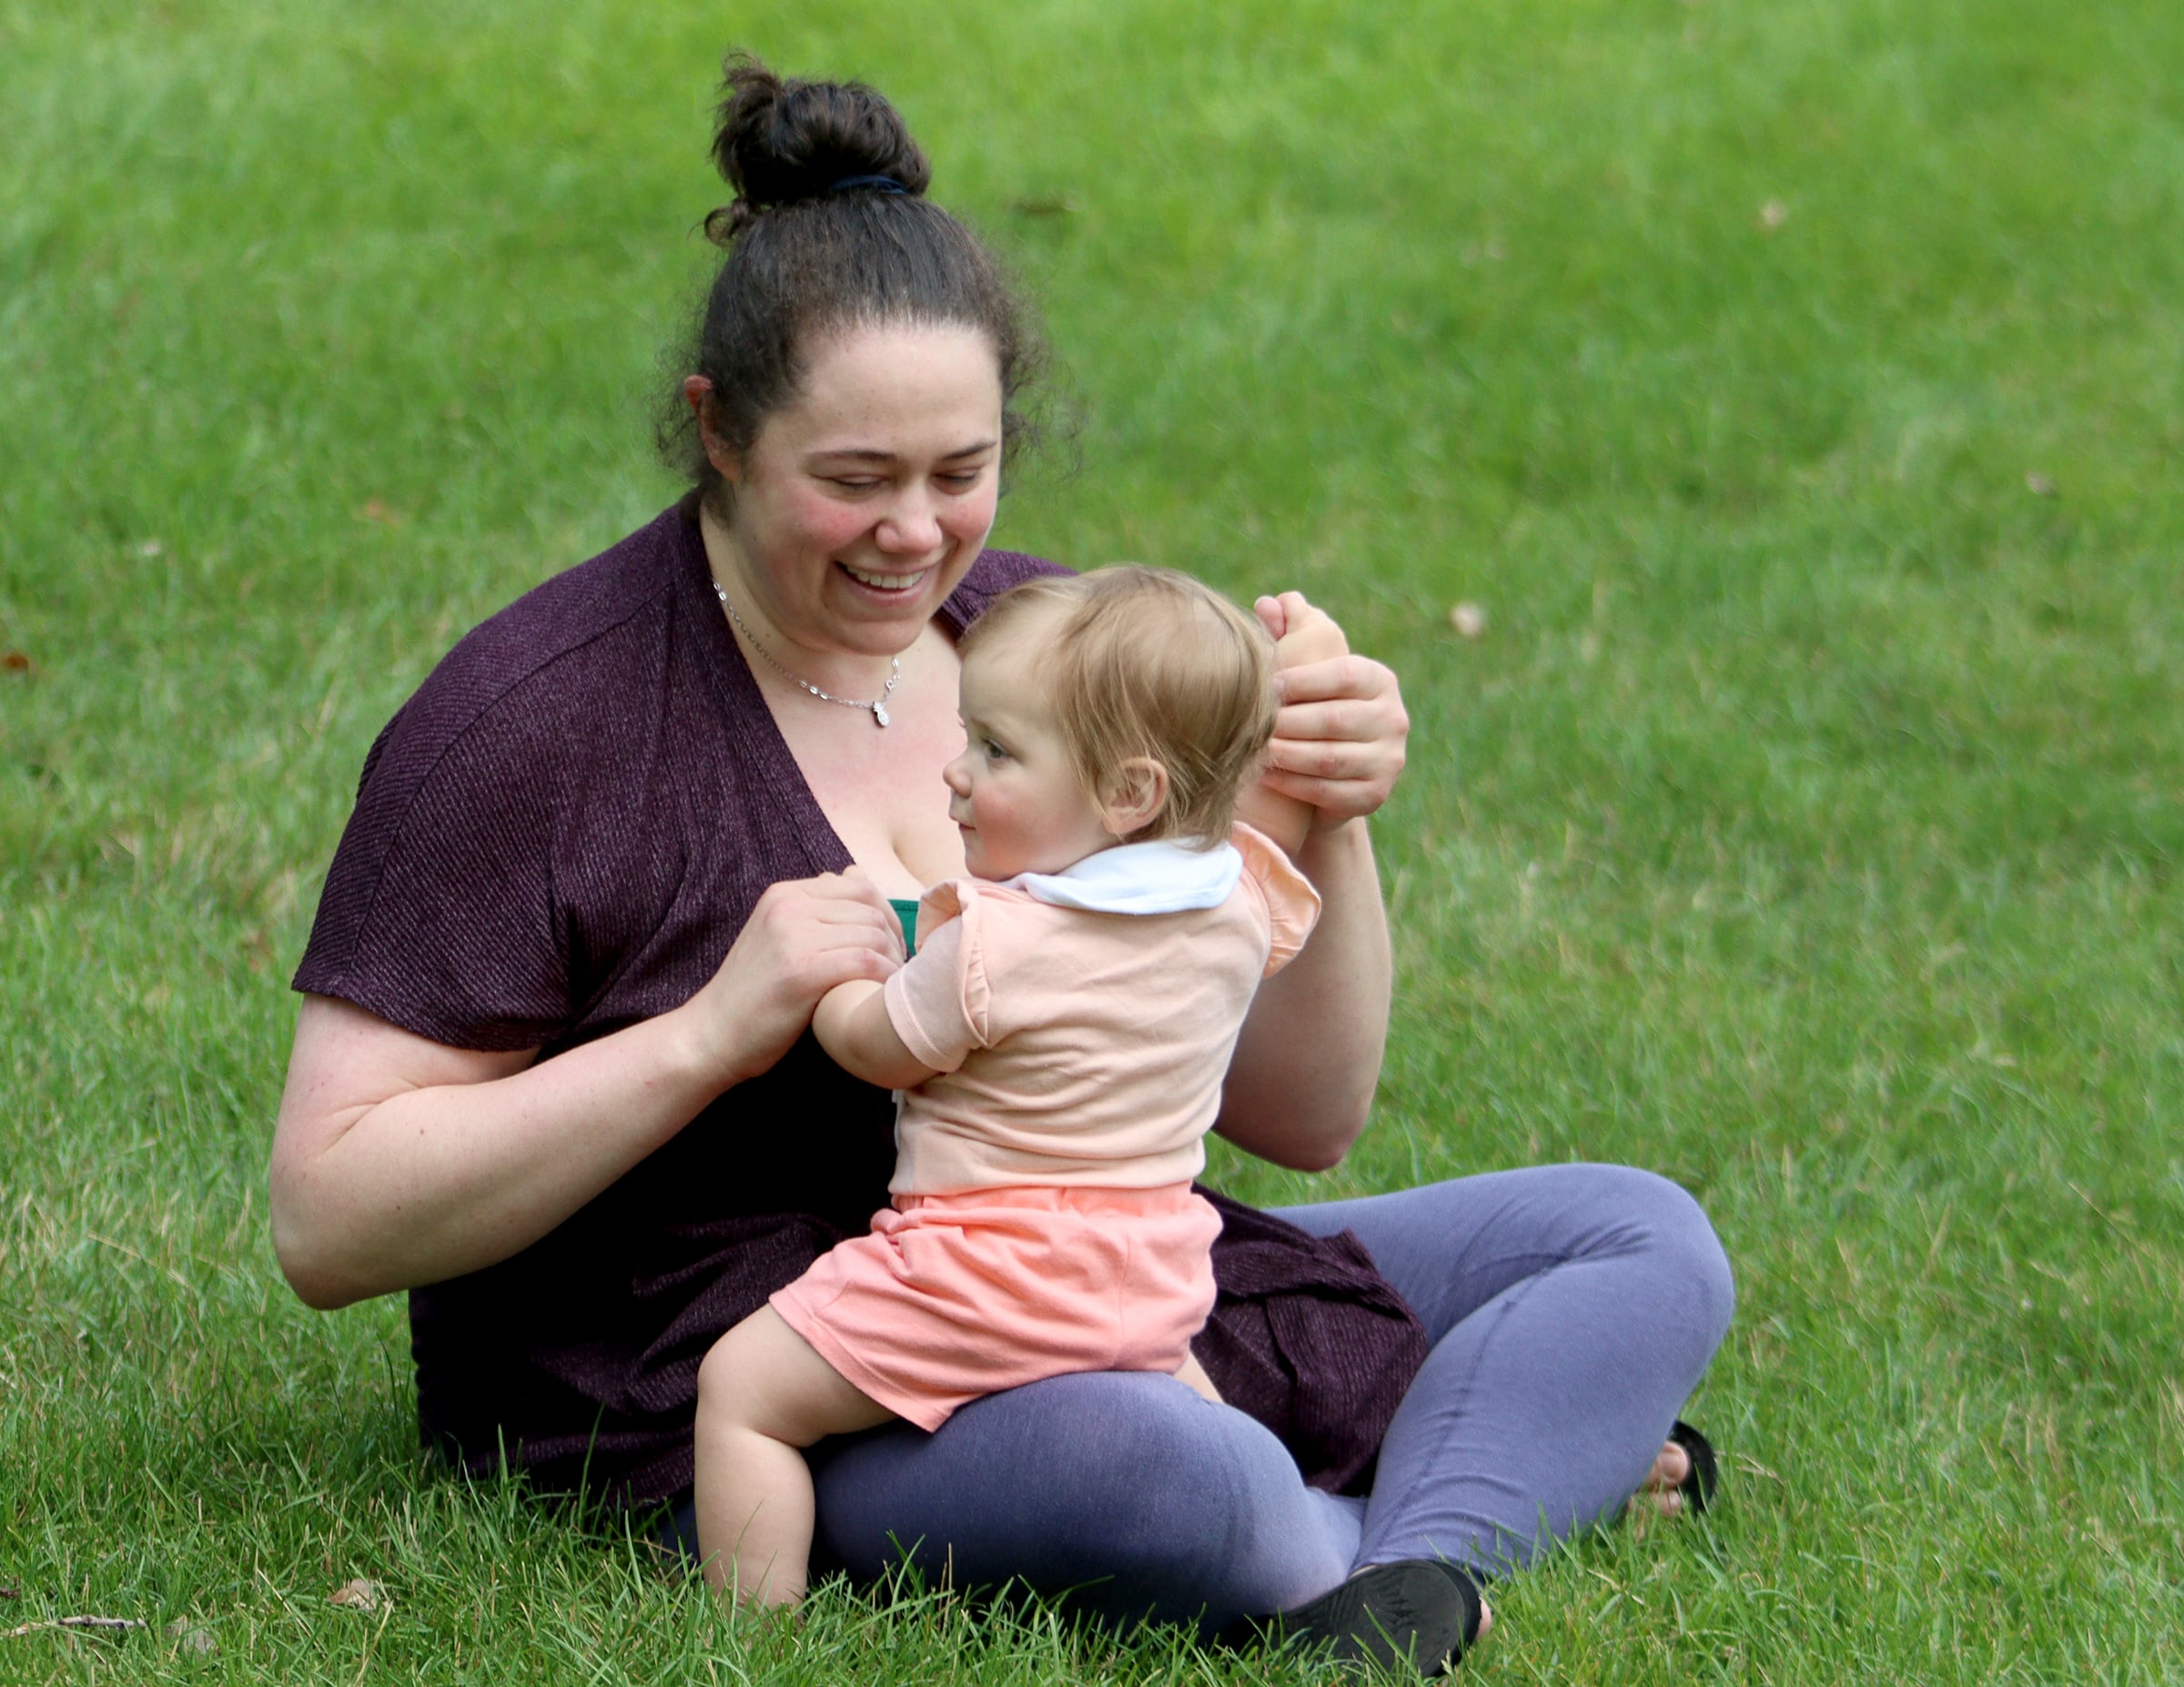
(861, 504)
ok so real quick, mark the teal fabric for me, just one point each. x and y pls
(906, 912)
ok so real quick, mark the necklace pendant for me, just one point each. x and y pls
(879, 714)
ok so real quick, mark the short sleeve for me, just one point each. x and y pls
(938, 1000)
(438, 914)
(1292, 905)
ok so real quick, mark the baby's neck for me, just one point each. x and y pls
(1047, 873)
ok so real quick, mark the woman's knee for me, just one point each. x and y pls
(1128, 1486)
(1684, 1250)
(1102, 1454)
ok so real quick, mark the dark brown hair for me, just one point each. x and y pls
(813, 249)
(1144, 661)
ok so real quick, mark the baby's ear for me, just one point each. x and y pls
(1137, 792)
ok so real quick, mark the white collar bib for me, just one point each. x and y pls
(1161, 877)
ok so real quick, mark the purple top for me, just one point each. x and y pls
(560, 835)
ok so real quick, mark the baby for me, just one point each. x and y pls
(1059, 1037)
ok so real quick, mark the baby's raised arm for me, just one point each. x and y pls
(1302, 635)
(852, 1025)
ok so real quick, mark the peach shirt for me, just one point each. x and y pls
(1078, 1048)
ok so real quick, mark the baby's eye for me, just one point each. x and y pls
(993, 751)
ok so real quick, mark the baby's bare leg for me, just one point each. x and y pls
(1192, 1372)
(763, 1394)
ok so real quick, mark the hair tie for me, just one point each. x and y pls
(878, 184)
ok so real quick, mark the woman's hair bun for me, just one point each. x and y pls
(779, 142)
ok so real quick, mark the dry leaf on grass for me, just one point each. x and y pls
(2039, 485)
(376, 510)
(151, 547)
(359, 1594)
(192, 1637)
(14, 661)
(1469, 620)
(1773, 215)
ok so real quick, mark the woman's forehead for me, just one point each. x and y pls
(897, 389)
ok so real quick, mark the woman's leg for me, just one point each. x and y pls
(1124, 1488)
(1571, 1309)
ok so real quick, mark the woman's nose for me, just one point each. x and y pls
(911, 527)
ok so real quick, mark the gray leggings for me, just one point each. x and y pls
(1572, 1310)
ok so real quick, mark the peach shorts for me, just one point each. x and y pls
(952, 1296)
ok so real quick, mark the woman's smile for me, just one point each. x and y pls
(883, 582)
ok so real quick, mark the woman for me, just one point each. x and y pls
(553, 1074)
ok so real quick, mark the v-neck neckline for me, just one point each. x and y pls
(749, 712)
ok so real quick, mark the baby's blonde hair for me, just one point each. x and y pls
(1144, 661)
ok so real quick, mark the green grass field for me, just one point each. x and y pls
(1799, 391)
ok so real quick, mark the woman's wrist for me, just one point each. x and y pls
(695, 1054)
(1335, 850)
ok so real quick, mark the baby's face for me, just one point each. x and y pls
(1014, 792)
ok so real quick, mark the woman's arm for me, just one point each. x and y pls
(398, 1161)
(1299, 1088)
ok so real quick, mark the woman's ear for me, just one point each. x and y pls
(697, 392)
(1136, 793)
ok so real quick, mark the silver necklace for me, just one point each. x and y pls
(878, 705)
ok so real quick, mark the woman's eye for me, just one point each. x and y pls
(961, 481)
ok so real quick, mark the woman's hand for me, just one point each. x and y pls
(1339, 741)
(803, 937)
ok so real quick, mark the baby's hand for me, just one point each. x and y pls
(1302, 633)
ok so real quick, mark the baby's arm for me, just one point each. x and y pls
(1306, 635)
(852, 1025)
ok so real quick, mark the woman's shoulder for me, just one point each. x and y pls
(510, 802)
(993, 573)
(560, 663)
(554, 697)
(625, 591)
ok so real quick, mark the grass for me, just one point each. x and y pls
(1798, 391)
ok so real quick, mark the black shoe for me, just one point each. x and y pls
(1703, 1480)
(1418, 1611)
